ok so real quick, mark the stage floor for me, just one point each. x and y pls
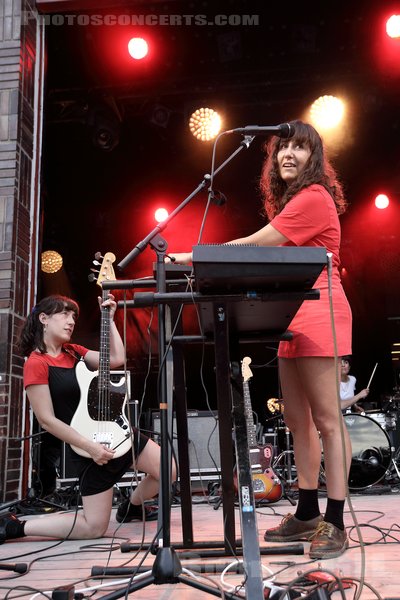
(53, 564)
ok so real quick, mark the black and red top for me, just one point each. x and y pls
(58, 372)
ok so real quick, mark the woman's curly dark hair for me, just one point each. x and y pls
(318, 170)
(32, 331)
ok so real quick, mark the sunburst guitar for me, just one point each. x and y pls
(266, 485)
(101, 413)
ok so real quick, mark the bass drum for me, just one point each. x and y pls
(371, 451)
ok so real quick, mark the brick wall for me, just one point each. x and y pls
(20, 81)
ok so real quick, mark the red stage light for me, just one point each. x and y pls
(381, 201)
(393, 26)
(160, 215)
(138, 48)
(386, 44)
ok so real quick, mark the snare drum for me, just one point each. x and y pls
(371, 451)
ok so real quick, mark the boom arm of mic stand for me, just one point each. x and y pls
(145, 242)
(245, 143)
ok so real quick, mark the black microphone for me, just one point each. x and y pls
(285, 130)
(17, 567)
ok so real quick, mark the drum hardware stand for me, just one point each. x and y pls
(285, 475)
(394, 462)
(286, 455)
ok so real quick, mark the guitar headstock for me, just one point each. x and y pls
(106, 271)
(246, 371)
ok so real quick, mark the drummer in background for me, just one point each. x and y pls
(348, 395)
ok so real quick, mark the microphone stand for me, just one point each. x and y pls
(167, 567)
(245, 143)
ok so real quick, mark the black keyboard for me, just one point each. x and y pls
(242, 268)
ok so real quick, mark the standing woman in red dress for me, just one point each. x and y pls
(303, 199)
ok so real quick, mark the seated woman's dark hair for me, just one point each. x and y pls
(32, 332)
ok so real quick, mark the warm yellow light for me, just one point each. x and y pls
(51, 261)
(327, 112)
(205, 124)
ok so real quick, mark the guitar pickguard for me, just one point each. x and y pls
(95, 421)
(115, 407)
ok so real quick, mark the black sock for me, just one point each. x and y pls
(15, 528)
(334, 513)
(307, 507)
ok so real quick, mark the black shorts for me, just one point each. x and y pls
(94, 478)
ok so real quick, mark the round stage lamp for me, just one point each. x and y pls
(205, 124)
(381, 201)
(138, 48)
(51, 261)
(393, 26)
(160, 215)
(327, 111)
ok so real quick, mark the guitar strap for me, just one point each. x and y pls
(73, 353)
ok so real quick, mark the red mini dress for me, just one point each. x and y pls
(310, 219)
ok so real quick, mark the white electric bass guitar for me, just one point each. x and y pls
(101, 413)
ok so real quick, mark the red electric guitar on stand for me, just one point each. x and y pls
(266, 484)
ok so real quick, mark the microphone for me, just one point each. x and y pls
(17, 567)
(285, 130)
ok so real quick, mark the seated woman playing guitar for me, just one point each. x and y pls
(54, 392)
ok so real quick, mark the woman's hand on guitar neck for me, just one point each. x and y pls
(111, 303)
(99, 453)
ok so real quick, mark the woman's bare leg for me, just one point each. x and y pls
(318, 376)
(298, 418)
(90, 523)
(149, 462)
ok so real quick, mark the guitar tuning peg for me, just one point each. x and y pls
(98, 256)
(94, 270)
(91, 277)
(96, 262)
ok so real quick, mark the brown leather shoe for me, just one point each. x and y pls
(292, 529)
(328, 541)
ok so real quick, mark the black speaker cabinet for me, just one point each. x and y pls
(204, 455)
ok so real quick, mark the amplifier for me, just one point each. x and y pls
(203, 433)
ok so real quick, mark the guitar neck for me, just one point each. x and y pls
(104, 359)
(248, 412)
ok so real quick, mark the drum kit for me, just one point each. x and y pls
(375, 440)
